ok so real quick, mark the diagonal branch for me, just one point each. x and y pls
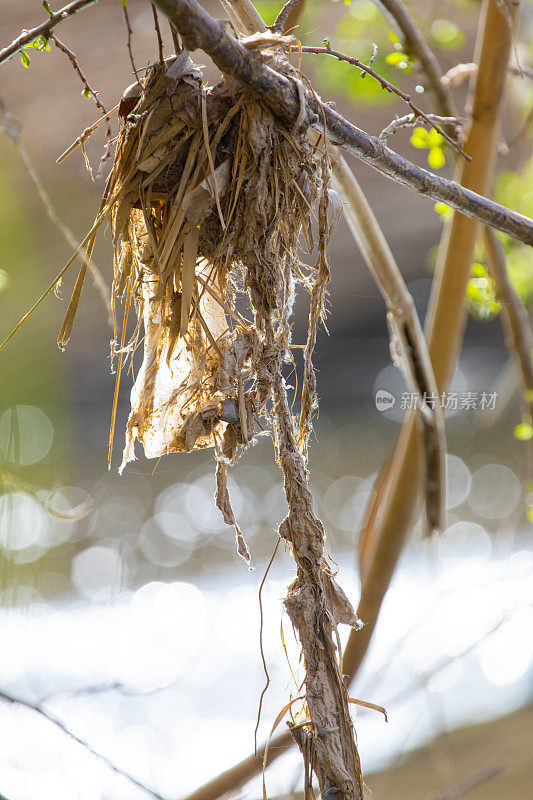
(515, 319)
(44, 29)
(415, 43)
(38, 709)
(407, 337)
(200, 30)
(397, 498)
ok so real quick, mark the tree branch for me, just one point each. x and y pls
(415, 43)
(44, 29)
(389, 87)
(396, 501)
(200, 30)
(38, 709)
(515, 318)
(406, 333)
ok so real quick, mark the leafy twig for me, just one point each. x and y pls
(415, 43)
(200, 30)
(389, 87)
(44, 29)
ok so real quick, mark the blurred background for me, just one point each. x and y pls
(126, 614)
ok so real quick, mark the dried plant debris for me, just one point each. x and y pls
(207, 198)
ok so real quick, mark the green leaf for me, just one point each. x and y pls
(392, 36)
(479, 271)
(396, 58)
(435, 138)
(39, 44)
(87, 93)
(420, 138)
(46, 6)
(523, 432)
(447, 34)
(24, 57)
(436, 158)
(443, 210)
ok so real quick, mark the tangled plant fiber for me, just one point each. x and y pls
(209, 197)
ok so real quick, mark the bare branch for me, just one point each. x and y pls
(416, 44)
(90, 92)
(12, 130)
(38, 709)
(464, 787)
(389, 87)
(516, 320)
(407, 337)
(158, 35)
(244, 15)
(281, 19)
(410, 119)
(44, 29)
(200, 30)
(391, 514)
(130, 32)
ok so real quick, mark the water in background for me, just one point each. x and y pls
(136, 625)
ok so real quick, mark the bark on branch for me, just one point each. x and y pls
(200, 30)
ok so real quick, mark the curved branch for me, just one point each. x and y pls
(44, 29)
(200, 30)
(415, 43)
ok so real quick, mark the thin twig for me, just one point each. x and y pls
(130, 32)
(44, 29)
(200, 30)
(516, 321)
(522, 131)
(38, 709)
(158, 34)
(464, 787)
(389, 87)
(415, 43)
(87, 91)
(460, 72)
(12, 130)
(263, 659)
(410, 119)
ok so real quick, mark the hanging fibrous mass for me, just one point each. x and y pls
(207, 197)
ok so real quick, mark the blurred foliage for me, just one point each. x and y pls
(481, 294)
(33, 374)
(513, 189)
(433, 141)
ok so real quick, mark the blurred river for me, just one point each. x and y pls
(137, 626)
